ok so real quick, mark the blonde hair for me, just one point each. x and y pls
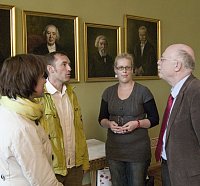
(124, 56)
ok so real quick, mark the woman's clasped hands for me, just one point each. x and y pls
(126, 128)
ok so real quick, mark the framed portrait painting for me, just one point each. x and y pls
(142, 40)
(102, 44)
(7, 32)
(45, 33)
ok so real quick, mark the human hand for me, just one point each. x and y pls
(129, 126)
(114, 127)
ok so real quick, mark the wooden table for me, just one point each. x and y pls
(97, 158)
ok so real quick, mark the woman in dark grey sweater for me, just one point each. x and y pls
(127, 110)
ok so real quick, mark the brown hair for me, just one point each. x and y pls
(20, 74)
(50, 58)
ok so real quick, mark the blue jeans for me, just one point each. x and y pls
(128, 173)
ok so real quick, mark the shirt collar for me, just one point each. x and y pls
(52, 90)
(143, 44)
(175, 90)
(52, 46)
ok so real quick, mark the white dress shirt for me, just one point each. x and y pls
(51, 48)
(66, 116)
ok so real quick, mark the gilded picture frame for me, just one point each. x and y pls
(7, 32)
(99, 65)
(142, 40)
(68, 29)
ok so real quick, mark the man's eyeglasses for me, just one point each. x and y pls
(162, 59)
(121, 68)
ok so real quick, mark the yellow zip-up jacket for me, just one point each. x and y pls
(51, 123)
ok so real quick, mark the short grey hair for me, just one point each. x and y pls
(57, 31)
(187, 59)
(142, 28)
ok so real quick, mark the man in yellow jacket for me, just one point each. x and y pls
(62, 121)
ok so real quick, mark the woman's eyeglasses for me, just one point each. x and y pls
(121, 68)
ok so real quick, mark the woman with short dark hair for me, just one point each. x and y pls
(25, 150)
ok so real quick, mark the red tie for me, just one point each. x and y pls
(163, 127)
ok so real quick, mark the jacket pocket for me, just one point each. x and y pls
(4, 171)
(193, 173)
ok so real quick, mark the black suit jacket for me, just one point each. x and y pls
(42, 49)
(147, 60)
(101, 66)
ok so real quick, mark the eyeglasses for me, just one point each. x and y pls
(162, 59)
(121, 68)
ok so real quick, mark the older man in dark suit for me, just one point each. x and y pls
(180, 154)
(145, 56)
(52, 37)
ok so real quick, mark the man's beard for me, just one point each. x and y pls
(102, 52)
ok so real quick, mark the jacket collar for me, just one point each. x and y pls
(177, 104)
(69, 88)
